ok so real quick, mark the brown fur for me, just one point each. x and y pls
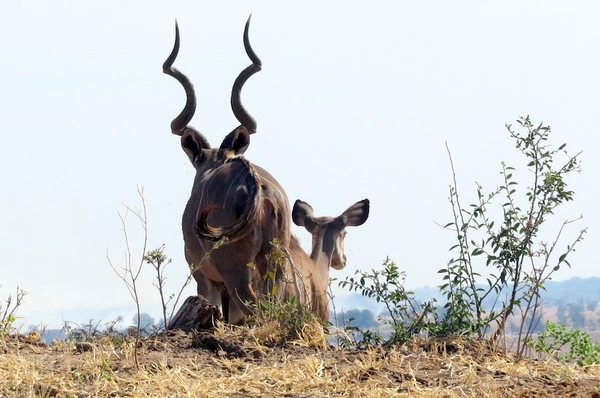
(237, 211)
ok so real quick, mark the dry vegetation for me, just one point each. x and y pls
(233, 364)
(262, 361)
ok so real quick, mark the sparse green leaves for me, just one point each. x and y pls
(8, 311)
(159, 260)
(482, 294)
(566, 344)
(387, 287)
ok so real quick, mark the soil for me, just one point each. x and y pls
(209, 364)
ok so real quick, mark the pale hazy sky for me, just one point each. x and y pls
(355, 101)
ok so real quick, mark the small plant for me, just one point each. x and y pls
(276, 261)
(92, 331)
(566, 344)
(130, 271)
(287, 314)
(290, 317)
(353, 336)
(499, 270)
(407, 316)
(8, 312)
(159, 260)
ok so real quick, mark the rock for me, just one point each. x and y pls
(196, 313)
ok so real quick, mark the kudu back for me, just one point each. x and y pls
(238, 214)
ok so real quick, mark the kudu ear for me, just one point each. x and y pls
(238, 140)
(193, 143)
(356, 214)
(301, 212)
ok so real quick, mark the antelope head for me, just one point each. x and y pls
(194, 144)
(328, 233)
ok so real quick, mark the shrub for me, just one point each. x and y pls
(566, 344)
(497, 260)
(8, 311)
(407, 316)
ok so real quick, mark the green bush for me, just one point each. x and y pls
(407, 316)
(499, 270)
(566, 344)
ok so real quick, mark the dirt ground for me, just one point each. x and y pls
(180, 364)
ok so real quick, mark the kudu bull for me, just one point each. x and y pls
(245, 210)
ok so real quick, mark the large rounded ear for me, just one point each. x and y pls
(238, 140)
(356, 214)
(193, 143)
(301, 212)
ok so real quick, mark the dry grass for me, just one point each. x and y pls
(177, 364)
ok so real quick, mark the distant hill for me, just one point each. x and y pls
(574, 290)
